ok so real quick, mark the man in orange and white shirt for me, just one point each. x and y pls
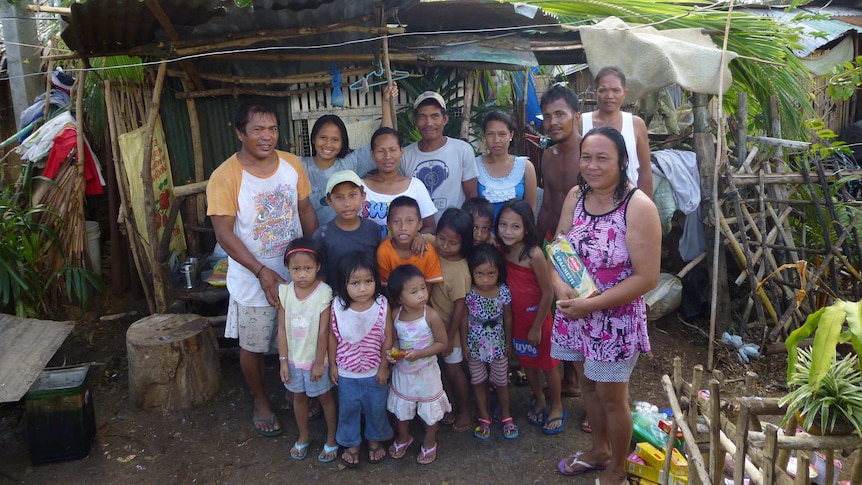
(258, 202)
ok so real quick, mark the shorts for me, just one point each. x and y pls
(456, 357)
(255, 326)
(602, 371)
(300, 381)
(499, 375)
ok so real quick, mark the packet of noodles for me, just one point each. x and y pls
(570, 267)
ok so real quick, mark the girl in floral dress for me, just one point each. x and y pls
(487, 336)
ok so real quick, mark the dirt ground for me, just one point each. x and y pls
(216, 442)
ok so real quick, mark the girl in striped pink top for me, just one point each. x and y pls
(361, 329)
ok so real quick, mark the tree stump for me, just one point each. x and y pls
(173, 362)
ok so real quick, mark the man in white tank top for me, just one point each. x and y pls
(611, 91)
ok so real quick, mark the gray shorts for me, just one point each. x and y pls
(597, 370)
(300, 381)
(256, 326)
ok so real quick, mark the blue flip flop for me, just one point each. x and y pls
(537, 418)
(559, 429)
(302, 448)
(327, 450)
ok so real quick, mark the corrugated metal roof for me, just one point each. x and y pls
(99, 27)
(815, 32)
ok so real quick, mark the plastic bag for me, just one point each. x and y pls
(645, 418)
(664, 298)
(570, 267)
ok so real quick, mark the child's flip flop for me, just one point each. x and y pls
(301, 450)
(558, 429)
(397, 450)
(328, 454)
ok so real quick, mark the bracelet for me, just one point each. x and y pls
(282, 357)
(257, 275)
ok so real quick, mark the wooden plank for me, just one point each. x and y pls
(26, 345)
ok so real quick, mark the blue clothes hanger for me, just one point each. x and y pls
(376, 78)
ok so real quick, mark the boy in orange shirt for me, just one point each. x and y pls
(404, 224)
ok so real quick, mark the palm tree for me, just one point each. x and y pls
(753, 37)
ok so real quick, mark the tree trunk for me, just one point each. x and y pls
(173, 362)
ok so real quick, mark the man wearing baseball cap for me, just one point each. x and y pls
(348, 232)
(447, 166)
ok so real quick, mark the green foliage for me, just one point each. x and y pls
(444, 81)
(752, 36)
(828, 325)
(845, 79)
(837, 395)
(25, 280)
(825, 142)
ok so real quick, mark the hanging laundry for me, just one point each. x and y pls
(64, 143)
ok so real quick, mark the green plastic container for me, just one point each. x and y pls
(61, 420)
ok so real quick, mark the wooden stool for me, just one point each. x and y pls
(173, 362)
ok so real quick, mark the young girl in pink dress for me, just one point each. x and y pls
(532, 295)
(416, 388)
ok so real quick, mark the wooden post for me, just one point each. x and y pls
(467, 111)
(122, 186)
(716, 452)
(388, 70)
(198, 202)
(769, 454)
(173, 362)
(161, 281)
(696, 381)
(742, 128)
(741, 442)
(801, 470)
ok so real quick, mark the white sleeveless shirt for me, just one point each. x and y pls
(628, 133)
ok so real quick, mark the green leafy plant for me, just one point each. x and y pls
(828, 325)
(27, 283)
(837, 396)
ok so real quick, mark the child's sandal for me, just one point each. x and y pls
(510, 429)
(397, 450)
(483, 430)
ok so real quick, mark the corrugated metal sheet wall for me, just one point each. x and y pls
(218, 138)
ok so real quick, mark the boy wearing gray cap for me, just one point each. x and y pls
(348, 232)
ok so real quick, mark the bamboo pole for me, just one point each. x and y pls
(46, 9)
(696, 466)
(160, 280)
(189, 48)
(198, 203)
(388, 70)
(125, 205)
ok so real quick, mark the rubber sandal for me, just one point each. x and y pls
(301, 449)
(324, 457)
(519, 377)
(398, 450)
(465, 428)
(315, 410)
(586, 428)
(510, 429)
(563, 466)
(423, 459)
(374, 450)
(559, 429)
(448, 419)
(352, 454)
(271, 420)
(483, 430)
(537, 418)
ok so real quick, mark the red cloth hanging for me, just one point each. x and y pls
(64, 143)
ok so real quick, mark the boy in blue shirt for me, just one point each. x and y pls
(348, 232)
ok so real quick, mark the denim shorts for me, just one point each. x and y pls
(300, 381)
(357, 397)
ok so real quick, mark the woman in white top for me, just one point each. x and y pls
(331, 152)
(611, 91)
(503, 176)
(384, 185)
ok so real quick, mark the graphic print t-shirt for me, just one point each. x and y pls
(442, 171)
(266, 217)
